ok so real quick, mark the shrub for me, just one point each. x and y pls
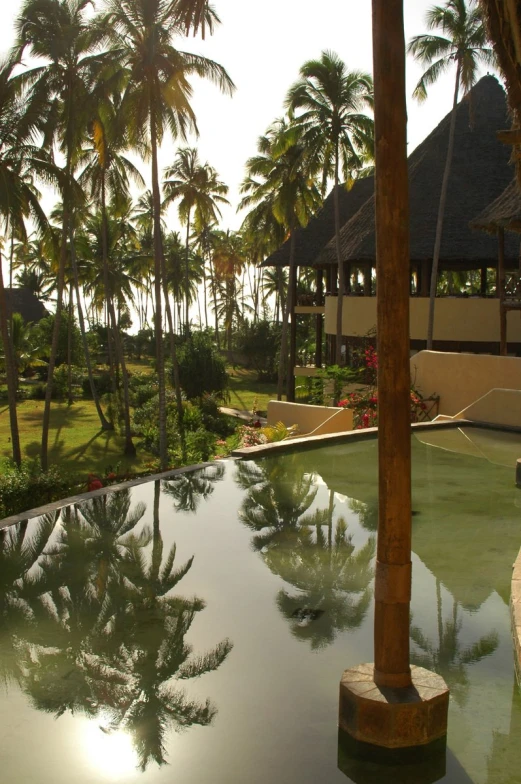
(28, 486)
(201, 368)
(260, 342)
(101, 382)
(142, 388)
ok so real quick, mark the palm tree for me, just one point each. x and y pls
(464, 43)
(157, 99)
(20, 160)
(107, 174)
(228, 262)
(330, 101)
(199, 191)
(59, 33)
(283, 174)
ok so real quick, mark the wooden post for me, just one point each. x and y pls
(503, 346)
(483, 282)
(387, 703)
(393, 566)
(367, 280)
(320, 319)
(290, 396)
(425, 278)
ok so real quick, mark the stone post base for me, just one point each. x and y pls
(393, 718)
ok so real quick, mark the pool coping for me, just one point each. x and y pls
(357, 435)
(53, 506)
(246, 452)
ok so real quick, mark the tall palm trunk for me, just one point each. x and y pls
(105, 425)
(158, 251)
(175, 363)
(283, 358)
(441, 211)
(130, 449)
(341, 276)
(187, 275)
(213, 285)
(205, 295)
(69, 346)
(44, 456)
(10, 372)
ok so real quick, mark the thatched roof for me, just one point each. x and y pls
(25, 302)
(479, 174)
(311, 239)
(503, 213)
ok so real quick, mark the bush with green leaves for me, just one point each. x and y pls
(142, 387)
(28, 486)
(101, 382)
(45, 329)
(260, 342)
(201, 368)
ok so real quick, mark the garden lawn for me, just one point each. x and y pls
(246, 391)
(76, 442)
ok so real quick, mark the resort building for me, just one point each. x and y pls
(467, 316)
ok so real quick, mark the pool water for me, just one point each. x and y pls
(195, 630)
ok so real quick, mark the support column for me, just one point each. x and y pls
(483, 282)
(320, 319)
(386, 704)
(292, 334)
(503, 345)
(425, 278)
(367, 280)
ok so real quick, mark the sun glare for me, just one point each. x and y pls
(110, 753)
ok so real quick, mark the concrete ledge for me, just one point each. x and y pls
(77, 499)
(515, 614)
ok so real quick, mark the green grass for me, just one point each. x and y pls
(76, 442)
(246, 392)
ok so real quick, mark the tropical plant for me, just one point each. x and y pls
(281, 176)
(328, 102)
(463, 42)
(157, 99)
(59, 33)
(199, 191)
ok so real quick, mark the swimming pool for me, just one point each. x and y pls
(196, 629)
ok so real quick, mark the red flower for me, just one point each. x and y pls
(94, 483)
(112, 475)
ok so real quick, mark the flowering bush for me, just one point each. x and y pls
(364, 402)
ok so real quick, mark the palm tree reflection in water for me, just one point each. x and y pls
(191, 487)
(447, 655)
(99, 631)
(307, 549)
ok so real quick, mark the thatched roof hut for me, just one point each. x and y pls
(311, 239)
(480, 173)
(24, 301)
(503, 213)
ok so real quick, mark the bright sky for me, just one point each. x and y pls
(263, 45)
